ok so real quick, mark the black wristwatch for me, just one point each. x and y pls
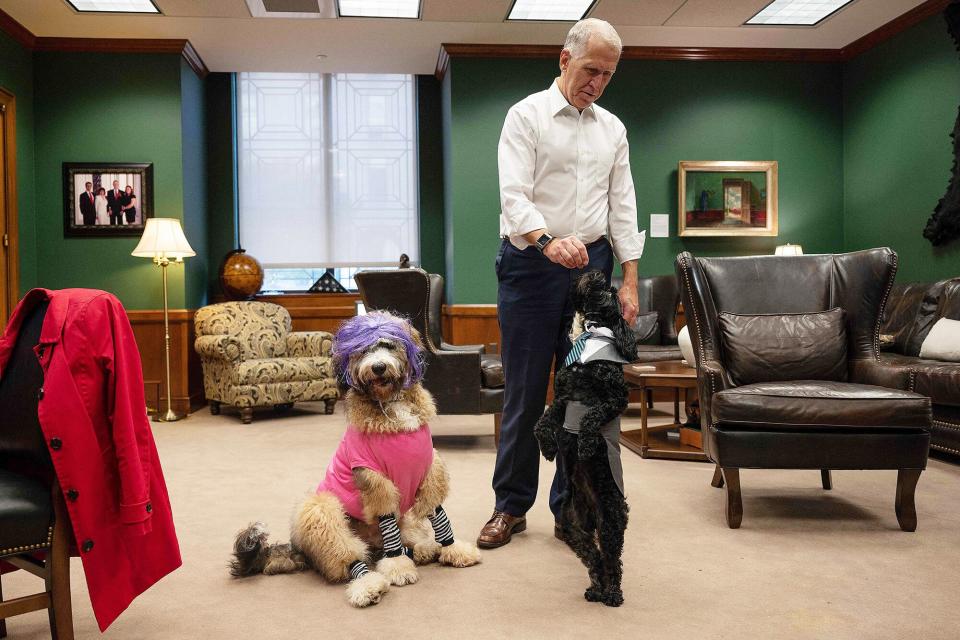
(543, 241)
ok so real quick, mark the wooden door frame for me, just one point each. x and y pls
(8, 105)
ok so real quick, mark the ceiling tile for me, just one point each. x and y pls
(644, 13)
(710, 13)
(465, 10)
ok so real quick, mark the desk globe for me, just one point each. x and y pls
(241, 275)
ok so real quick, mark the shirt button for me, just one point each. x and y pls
(56, 443)
(87, 545)
(149, 507)
(72, 495)
(40, 393)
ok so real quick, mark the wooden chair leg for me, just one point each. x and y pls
(246, 415)
(826, 479)
(214, 407)
(905, 507)
(734, 503)
(497, 417)
(717, 480)
(58, 576)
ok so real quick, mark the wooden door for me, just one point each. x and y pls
(9, 281)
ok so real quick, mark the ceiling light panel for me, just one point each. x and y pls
(564, 10)
(114, 6)
(797, 12)
(379, 8)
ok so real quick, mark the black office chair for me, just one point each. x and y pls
(462, 378)
(33, 516)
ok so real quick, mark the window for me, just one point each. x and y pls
(328, 174)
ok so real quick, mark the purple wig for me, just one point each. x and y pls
(358, 333)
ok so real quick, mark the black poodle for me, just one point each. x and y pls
(582, 426)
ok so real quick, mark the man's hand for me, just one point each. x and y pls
(569, 252)
(628, 303)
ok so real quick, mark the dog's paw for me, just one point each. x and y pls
(548, 447)
(588, 446)
(612, 597)
(426, 552)
(593, 594)
(460, 554)
(367, 589)
(399, 570)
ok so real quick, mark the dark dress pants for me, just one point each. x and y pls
(535, 313)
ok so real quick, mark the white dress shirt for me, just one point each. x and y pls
(567, 172)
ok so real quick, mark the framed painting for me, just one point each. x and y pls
(727, 198)
(106, 198)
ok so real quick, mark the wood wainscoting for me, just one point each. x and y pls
(462, 324)
(186, 376)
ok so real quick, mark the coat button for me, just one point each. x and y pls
(87, 545)
(56, 443)
(40, 393)
(149, 507)
(72, 495)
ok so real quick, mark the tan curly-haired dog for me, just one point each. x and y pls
(384, 488)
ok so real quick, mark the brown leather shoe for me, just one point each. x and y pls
(499, 528)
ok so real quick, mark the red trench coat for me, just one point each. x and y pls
(94, 419)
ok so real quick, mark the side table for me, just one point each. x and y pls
(652, 442)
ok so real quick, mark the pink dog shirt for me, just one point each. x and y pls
(403, 457)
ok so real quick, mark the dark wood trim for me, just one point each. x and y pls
(8, 155)
(16, 30)
(103, 45)
(728, 54)
(917, 14)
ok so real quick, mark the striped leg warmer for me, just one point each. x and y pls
(390, 532)
(358, 569)
(441, 527)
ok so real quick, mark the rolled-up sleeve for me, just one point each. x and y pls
(516, 160)
(627, 241)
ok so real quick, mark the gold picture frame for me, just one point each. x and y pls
(727, 198)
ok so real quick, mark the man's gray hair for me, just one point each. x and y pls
(579, 35)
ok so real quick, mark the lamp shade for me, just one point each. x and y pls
(163, 238)
(789, 250)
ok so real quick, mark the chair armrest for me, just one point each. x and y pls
(218, 347)
(711, 378)
(454, 379)
(309, 343)
(475, 348)
(881, 374)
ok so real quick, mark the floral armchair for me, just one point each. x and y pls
(251, 358)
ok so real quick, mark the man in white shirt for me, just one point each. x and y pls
(567, 205)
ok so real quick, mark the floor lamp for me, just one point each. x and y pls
(164, 242)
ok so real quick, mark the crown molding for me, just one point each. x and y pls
(103, 45)
(897, 25)
(914, 16)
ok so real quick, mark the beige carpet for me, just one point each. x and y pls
(805, 564)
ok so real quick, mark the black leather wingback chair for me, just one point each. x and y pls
(659, 294)
(462, 379)
(827, 422)
(33, 516)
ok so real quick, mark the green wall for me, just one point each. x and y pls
(16, 77)
(94, 107)
(430, 138)
(900, 104)
(787, 111)
(221, 105)
(193, 121)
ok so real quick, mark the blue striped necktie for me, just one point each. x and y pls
(577, 348)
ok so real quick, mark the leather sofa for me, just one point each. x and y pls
(789, 370)
(912, 311)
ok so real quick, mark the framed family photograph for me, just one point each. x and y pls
(106, 198)
(728, 198)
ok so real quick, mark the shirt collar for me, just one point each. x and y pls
(558, 103)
